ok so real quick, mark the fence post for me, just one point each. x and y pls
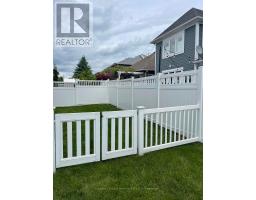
(132, 92)
(107, 86)
(200, 100)
(75, 88)
(140, 130)
(54, 146)
(158, 89)
(117, 85)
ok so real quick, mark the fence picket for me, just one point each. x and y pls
(78, 138)
(126, 132)
(69, 131)
(184, 125)
(170, 139)
(192, 123)
(151, 130)
(156, 127)
(146, 131)
(132, 131)
(196, 124)
(120, 133)
(165, 135)
(179, 125)
(87, 137)
(175, 122)
(161, 128)
(61, 139)
(113, 135)
(188, 126)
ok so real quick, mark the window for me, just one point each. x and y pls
(166, 47)
(173, 45)
(180, 43)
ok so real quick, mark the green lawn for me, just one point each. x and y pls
(86, 108)
(174, 173)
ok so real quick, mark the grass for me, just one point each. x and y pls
(174, 173)
(86, 108)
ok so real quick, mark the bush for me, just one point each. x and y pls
(104, 76)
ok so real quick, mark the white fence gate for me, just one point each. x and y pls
(119, 133)
(161, 128)
(77, 138)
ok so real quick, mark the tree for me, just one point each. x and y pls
(55, 73)
(83, 70)
(60, 78)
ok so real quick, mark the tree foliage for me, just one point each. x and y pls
(114, 69)
(104, 76)
(56, 73)
(83, 70)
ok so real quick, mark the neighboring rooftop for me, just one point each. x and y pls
(146, 64)
(130, 61)
(192, 13)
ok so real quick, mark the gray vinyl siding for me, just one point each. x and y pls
(180, 60)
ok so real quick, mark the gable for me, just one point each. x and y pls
(188, 19)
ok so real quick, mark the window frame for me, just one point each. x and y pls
(174, 37)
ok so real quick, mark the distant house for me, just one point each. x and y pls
(180, 44)
(121, 69)
(146, 66)
(127, 62)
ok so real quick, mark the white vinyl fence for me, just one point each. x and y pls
(119, 134)
(169, 113)
(177, 89)
(123, 133)
(161, 128)
(77, 137)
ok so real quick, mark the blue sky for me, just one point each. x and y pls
(121, 29)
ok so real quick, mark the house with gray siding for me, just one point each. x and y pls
(179, 45)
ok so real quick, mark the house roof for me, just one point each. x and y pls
(130, 61)
(192, 13)
(146, 64)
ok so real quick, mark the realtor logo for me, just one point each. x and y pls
(73, 25)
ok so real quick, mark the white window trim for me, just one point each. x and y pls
(168, 40)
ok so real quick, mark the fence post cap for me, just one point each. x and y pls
(140, 107)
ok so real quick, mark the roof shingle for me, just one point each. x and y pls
(131, 61)
(146, 64)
